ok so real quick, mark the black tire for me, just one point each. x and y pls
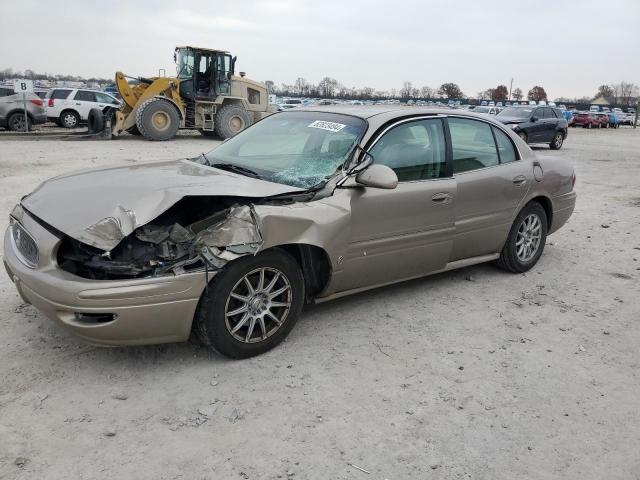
(556, 142)
(523, 136)
(230, 120)
(210, 321)
(95, 120)
(16, 122)
(509, 259)
(589, 125)
(69, 119)
(158, 119)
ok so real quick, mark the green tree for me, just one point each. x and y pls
(450, 90)
(537, 93)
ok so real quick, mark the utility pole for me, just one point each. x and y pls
(510, 87)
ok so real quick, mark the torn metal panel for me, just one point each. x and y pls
(116, 227)
(240, 228)
(147, 190)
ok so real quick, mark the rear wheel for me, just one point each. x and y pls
(69, 119)
(158, 119)
(17, 123)
(556, 143)
(251, 305)
(588, 125)
(526, 240)
(231, 120)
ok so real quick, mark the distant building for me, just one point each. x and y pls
(600, 100)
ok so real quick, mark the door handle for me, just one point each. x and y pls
(77, 103)
(441, 197)
(519, 180)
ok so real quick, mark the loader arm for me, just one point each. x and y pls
(134, 96)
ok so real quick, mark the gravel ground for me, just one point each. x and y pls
(473, 374)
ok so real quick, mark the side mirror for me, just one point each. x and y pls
(378, 176)
(534, 119)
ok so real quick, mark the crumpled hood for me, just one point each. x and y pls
(100, 207)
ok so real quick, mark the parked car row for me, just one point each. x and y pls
(536, 124)
(68, 107)
(601, 120)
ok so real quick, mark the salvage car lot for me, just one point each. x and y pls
(471, 372)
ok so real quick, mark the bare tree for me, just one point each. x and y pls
(517, 94)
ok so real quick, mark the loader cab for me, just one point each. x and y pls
(204, 74)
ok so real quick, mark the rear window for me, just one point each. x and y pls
(60, 94)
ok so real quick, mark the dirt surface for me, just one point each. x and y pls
(474, 373)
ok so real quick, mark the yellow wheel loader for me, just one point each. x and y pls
(206, 95)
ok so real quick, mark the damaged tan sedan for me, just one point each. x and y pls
(304, 206)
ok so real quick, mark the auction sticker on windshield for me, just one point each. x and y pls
(331, 126)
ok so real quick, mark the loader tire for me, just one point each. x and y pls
(230, 120)
(158, 119)
(95, 120)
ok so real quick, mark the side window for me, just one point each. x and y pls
(60, 94)
(104, 98)
(414, 150)
(505, 147)
(5, 92)
(473, 145)
(85, 96)
(549, 113)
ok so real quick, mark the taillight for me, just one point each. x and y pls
(37, 102)
(51, 102)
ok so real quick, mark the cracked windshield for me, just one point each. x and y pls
(300, 149)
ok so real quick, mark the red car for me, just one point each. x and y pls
(586, 120)
(604, 120)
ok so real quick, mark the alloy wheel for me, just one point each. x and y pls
(258, 305)
(528, 238)
(17, 123)
(557, 140)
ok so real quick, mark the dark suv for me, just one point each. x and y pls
(536, 124)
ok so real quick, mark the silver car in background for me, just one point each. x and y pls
(12, 109)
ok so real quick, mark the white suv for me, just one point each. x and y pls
(70, 106)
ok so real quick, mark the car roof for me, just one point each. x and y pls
(378, 115)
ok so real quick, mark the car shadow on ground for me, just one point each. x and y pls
(192, 353)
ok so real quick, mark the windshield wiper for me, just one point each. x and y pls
(236, 169)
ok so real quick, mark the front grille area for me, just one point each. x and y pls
(24, 245)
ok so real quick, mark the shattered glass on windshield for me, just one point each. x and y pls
(300, 149)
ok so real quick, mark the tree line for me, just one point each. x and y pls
(9, 74)
(331, 88)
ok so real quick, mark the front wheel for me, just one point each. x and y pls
(526, 240)
(251, 305)
(556, 143)
(158, 119)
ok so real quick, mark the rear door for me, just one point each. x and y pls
(56, 101)
(408, 231)
(550, 124)
(83, 102)
(491, 182)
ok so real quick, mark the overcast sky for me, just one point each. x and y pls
(568, 47)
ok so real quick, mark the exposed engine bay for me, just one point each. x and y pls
(197, 232)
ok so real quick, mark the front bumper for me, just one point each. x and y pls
(140, 311)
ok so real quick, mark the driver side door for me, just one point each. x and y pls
(408, 231)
